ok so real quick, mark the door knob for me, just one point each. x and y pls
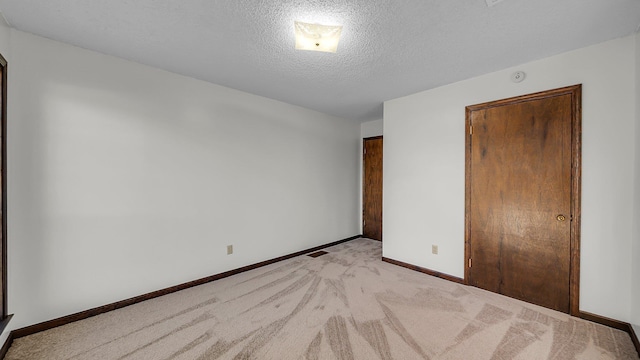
(561, 217)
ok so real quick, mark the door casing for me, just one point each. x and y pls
(576, 175)
(3, 191)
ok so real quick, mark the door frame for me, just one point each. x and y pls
(576, 180)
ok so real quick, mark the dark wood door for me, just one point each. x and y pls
(372, 188)
(2, 196)
(3, 192)
(519, 190)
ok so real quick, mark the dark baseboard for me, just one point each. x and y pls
(604, 321)
(616, 324)
(4, 322)
(7, 345)
(424, 270)
(634, 338)
(18, 333)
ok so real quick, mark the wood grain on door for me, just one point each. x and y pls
(519, 198)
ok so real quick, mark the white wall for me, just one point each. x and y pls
(124, 179)
(635, 277)
(5, 36)
(371, 128)
(425, 165)
(367, 129)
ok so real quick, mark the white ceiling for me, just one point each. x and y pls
(388, 48)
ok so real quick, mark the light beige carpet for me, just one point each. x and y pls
(347, 304)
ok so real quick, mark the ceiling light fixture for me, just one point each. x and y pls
(316, 37)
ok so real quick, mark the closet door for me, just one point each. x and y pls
(520, 189)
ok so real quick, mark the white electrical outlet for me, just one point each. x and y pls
(434, 249)
(229, 249)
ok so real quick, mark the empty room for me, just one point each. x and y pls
(261, 179)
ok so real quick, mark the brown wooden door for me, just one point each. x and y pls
(3, 191)
(372, 188)
(519, 193)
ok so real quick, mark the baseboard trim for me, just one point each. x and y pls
(634, 338)
(46, 325)
(424, 270)
(7, 345)
(616, 324)
(4, 322)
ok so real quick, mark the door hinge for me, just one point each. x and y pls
(364, 222)
(469, 262)
(470, 129)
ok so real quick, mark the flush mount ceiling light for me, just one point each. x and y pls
(316, 37)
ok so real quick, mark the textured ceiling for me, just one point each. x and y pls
(388, 48)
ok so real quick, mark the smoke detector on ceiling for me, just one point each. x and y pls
(518, 76)
(491, 3)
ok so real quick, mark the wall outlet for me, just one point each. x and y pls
(229, 249)
(434, 249)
